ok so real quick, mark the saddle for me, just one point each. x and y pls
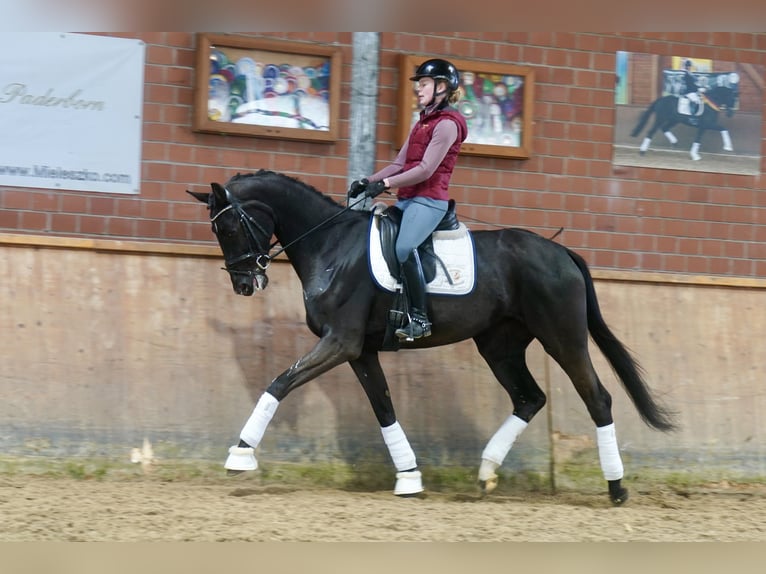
(684, 106)
(390, 221)
(447, 258)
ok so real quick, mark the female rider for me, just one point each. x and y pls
(421, 173)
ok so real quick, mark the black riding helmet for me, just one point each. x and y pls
(438, 70)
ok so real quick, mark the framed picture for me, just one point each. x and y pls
(266, 88)
(676, 111)
(496, 101)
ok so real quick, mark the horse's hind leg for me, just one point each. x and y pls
(648, 138)
(561, 326)
(504, 349)
(408, 478)
(573, 357)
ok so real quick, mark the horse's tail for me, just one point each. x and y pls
(647, 113)
(624, 364)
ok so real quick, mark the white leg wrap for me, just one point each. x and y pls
(252, 433)
(501, 442)
(645, 144)
(608, 453)
(671, 137)
(399, 447)
(694, 150)
(726, 141)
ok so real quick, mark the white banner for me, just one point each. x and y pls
(70, 111)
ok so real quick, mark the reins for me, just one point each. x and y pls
(310, 231)
(249, 223)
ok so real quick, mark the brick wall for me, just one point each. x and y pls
(626, 219)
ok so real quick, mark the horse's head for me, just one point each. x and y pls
(727, 96)
(243, 237)
(731, 95)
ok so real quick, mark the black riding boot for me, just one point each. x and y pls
(415, 287)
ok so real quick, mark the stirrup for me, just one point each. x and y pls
(417, 328)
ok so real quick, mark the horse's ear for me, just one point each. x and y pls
(220, 193)
(203, 197)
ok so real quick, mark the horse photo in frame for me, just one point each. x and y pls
(656, 127)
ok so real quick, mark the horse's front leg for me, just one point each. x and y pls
(329, 352)
(694, 152)
(408, 478)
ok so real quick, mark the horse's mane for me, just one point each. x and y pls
(270, 176)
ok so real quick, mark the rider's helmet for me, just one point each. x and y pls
(438, 69)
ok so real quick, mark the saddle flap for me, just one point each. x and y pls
(447, 257)
(685, 108)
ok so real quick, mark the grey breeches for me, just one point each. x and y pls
(420, 218)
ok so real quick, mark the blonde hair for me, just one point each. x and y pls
(455, 95)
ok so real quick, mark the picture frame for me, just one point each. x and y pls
(268, 88)
(654, 126)
(497, 101)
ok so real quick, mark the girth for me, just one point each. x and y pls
(390, 222)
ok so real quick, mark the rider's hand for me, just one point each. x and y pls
(358, 187)
(375, 189)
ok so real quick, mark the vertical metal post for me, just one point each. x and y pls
(364, 105)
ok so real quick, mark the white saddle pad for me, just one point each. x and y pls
(454, 247)
(684, 107)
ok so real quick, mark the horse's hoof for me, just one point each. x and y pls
(487, 486)
(420, 494)
(230, 472)
(619, 498)
(642, 152)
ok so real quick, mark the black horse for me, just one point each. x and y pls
(528, 287)
(666, 115)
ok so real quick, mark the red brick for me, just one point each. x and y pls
(681, 221)
(9, 219)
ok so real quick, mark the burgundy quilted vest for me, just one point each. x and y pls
(435, 186)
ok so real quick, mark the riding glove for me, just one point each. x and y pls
(375, 189)
(358, 187)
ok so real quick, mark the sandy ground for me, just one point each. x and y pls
(36, 508)
(661, 155)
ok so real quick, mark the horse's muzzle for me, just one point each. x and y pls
(247, 284)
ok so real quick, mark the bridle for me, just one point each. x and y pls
(260, 255)
(250, 225)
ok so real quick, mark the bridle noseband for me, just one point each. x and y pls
(250, 225)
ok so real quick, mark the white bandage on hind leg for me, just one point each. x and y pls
(264, 410)
(608, 453)
(501, 442)
(399, 447)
